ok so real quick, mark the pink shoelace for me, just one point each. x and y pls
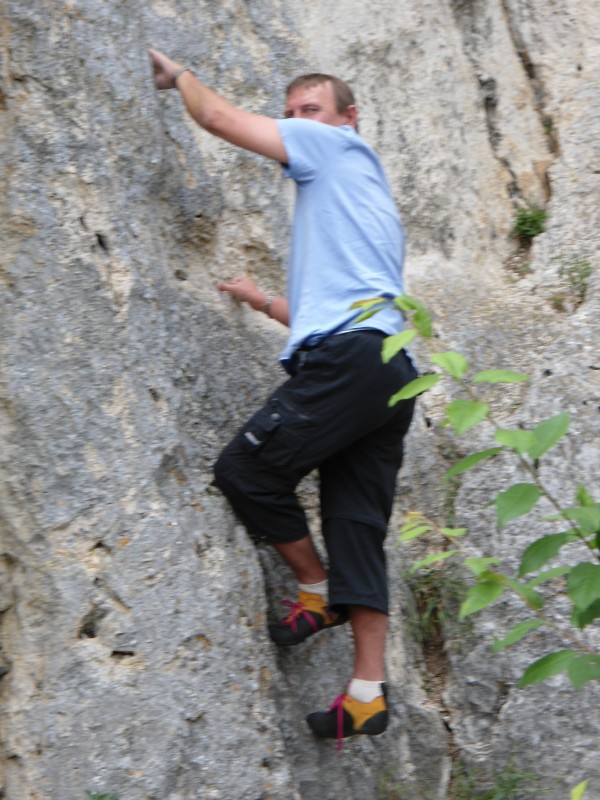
(338, 707)
(297, 610)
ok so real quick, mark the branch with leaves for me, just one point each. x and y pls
(581, 521)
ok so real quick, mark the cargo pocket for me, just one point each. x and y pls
(268, 436)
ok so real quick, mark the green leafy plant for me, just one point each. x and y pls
(508, 784)
(558, 301)
(529, 223)
(437, 594)
(579, 523)
(576, 274)
(96, 796)
(429, 606)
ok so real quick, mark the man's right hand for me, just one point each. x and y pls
(164, 70)
(213, 113)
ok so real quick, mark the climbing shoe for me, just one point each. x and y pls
(308, 615)
(348, 717)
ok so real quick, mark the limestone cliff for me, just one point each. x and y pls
(134, 658)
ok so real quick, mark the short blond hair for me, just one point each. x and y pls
(341, 91)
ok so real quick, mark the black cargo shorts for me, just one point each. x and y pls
(333, 415)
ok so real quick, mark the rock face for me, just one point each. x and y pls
(134, 657)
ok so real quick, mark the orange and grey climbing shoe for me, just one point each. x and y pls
(308, 615)
(348, 717)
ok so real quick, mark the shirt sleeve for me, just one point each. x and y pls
(310, 146)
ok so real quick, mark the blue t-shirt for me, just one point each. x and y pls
(347, 237)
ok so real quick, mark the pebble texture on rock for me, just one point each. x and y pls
(134, 658)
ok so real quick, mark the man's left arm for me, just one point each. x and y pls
(212, 112)
(244, 290)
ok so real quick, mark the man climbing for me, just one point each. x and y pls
(332, 413)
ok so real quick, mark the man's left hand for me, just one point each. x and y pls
(244, 290)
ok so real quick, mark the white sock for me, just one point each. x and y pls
(364, 691)
(316, 588)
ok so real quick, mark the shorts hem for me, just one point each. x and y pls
(345, 601)
(295, 537)
(377, 524)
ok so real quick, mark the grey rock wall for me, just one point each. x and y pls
(134, 658)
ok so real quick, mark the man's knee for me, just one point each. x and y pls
(224, 472)
(239, 474)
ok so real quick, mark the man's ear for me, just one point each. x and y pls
(351, 113)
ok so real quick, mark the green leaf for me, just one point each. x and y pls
(546, 667)
(548, 575)
(516, 633)
(420, 317)
(451, 362)
(366, 315)
(407, 303)
(516, 501)
(585, 616)
(547, 434)
(587, 518)
(584, 585)
(583, 669)
(451, 533)
(578, 792)
(480, 596)
(408, 534)
(583, 497)
(525, 592)
(369, 303)
(371, 307)
(465, 414)
(433, 558)
(516, 439)
(393, 344)
(412, 389)
(499, 376)
(536, 442)
(479, 565)
(422, 322)
(470, 461)
(542, 550)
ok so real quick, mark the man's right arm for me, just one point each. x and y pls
(212, 112)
